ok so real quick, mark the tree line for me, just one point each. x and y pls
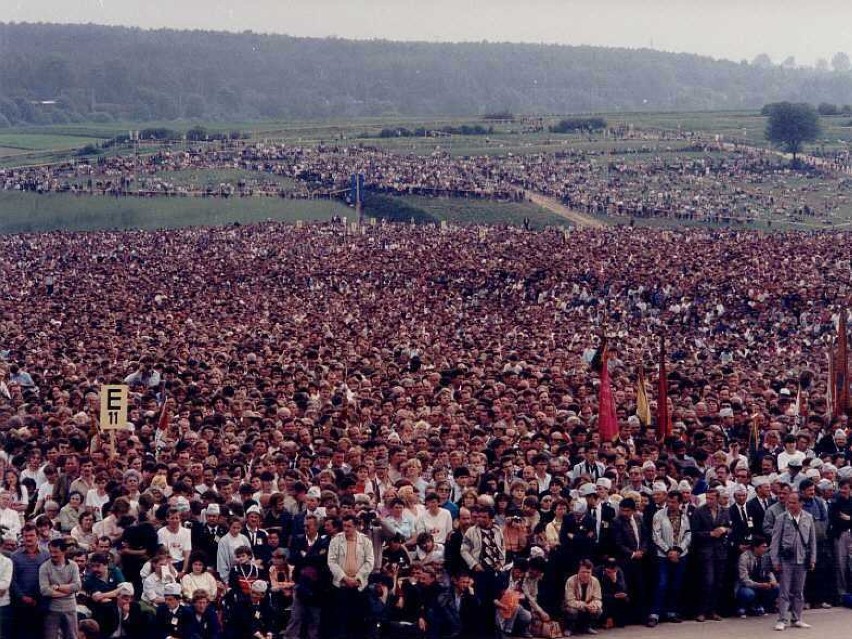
(71, 73)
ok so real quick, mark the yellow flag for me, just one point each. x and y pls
(643, 408)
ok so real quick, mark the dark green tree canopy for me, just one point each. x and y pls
(791, 125)
(56, 74)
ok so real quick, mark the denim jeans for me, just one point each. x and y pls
(749, 598)
(669, 584)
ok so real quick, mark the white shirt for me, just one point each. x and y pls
(440, 525)
(5, 579)
(176, 543)
(11, 520)
(596, 513)
(96, 502)
(37, 475)
(784, 459)
(544, 482)
(45, 491)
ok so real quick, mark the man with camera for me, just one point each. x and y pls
(793, 552)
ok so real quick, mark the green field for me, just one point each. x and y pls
(470, 211)
(29, 212)
(35, 147)
(51, 143)
(204, 177)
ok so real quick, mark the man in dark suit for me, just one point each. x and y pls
(742, 533)
(711, 527)
(460, 607)
(598, 518)
(257, 536)
(630, 542)
(205, 536)
(202, 622)
(309, 557)
(170, 619)
(254, 617)
(757, 506)
(742, 524)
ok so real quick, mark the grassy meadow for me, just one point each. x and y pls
(30, 212)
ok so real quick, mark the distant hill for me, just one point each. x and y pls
(69, 73)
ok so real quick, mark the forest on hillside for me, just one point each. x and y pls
(73, 73)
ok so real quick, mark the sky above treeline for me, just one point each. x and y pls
(731, 29)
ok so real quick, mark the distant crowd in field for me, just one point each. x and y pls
(706, 181)
(396, 433)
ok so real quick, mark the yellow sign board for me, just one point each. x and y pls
(113, 407)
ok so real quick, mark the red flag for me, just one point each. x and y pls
(841, 369)
(829, 394)
(607, 422)
(664, 420)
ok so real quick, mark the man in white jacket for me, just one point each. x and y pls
(5, 599)
(350, 560)
(672, 536)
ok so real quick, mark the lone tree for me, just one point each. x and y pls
(791, 125)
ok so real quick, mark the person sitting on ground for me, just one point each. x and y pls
(583, 602)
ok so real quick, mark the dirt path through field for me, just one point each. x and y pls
(555, 206)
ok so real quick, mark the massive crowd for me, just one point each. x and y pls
(702, 181)
(395, 433)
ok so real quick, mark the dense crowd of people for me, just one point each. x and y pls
(701, 181)
(396, 433)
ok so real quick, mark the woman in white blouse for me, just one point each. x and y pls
(198, 578)
(83, 534)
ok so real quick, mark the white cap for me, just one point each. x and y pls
(659, 487)
(684, 485)
(126, 588)
(253, 510)
(314, 492)
(587, 490)
(726, 412)
(260, 587)
(536, 551)
(825, 484)
(171, 589)
(213, 509)
(604, 482)
(760, 481)
(649, 464)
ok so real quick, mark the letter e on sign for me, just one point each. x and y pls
(113, 407)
